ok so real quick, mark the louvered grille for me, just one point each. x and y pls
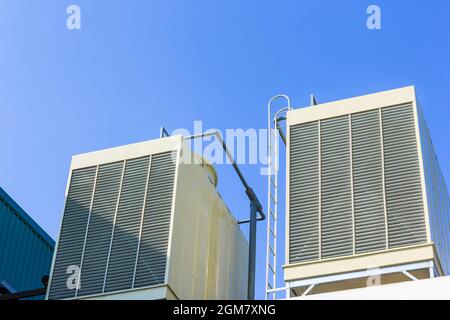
(337, 216)
(370, 218)
(369, 181)
(153, 249)
(403, 185)
(127, 226)
(100, 228)
(304, 193)
(73, 230)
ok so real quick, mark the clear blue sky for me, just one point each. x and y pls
(137, 65)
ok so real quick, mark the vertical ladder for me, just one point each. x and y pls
(272, 205)
(272, 199)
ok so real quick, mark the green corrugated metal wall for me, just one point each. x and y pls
(26, 250)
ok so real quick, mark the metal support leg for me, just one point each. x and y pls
(252, 252)
(431, 268)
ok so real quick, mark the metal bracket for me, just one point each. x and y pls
(404, 269)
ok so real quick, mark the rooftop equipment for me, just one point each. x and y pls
(143, 221)
(365, 195)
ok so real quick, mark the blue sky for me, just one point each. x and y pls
(137, 65)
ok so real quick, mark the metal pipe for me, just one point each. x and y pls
(248, 190)
(24, 294)
(252, 253)
(27, 293)
(283, 137)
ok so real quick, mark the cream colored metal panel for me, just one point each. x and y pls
(404, 198)
(359, 262)
(241, 260)
(161, 292)
(232, 268)
(129, 151)
(438, 201)
(201, 254)
(198, 256)
(352, 105)
(221, 280)
(181, 266)
(420, 150)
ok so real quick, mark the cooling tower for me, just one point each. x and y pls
(142, 221)
(365, 195)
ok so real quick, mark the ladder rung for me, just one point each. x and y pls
(273, 181)
(272, 163)
(273, 216)
(272, 250)
(271, 213)
(273, 199)
(271, 268)
(272, 232)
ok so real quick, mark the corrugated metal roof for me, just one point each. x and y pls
(26, 218)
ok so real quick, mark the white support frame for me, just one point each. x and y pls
(308, 290)
(409, 275)
(361, 274)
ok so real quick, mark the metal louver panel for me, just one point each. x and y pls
(73, 231)
(368, 196)
(406, 221)
(304, 193)
(336, 195)
(151, 264)
(115, 227)
(100, 228)
(370, 218)
(128, 224)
